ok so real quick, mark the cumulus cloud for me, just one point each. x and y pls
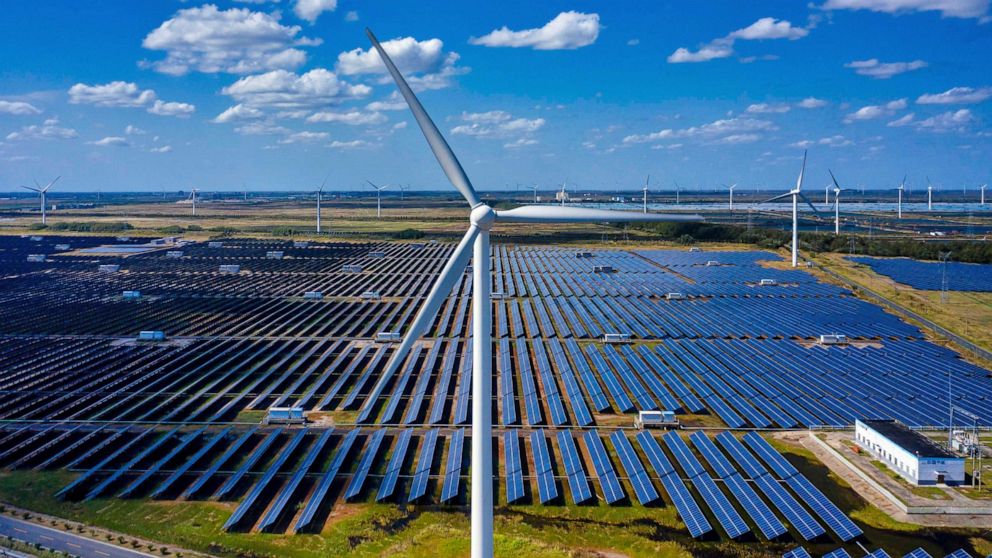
(238, 41)
(947, 8)
(49, 129)
(111, 141)
(765, 108)
(310, 10)
(133, 130)
(163, 149)
(304, 137)
(956, 96)
(496, 124)
(236, 113)
(285, 90)
(871, 112)
(522, 142)
(261, 128)
(351, 16)
(18, 108)
(424, 63)
(952, 121)
(811, 103)
(352, 118)
(567, 31)
(741, 129)
(883, 70)
(763, 29)
(905, 120)
(128, 95)
(394, 102)
(353, 144)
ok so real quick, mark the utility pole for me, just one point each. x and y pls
(943, 276)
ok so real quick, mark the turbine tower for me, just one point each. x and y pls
(534, 187)
(929, 195)
(644, 204)
(378, 198)
(796, 194)
(982, 189)
(320, 192)
(837, 191)
(192, 198)
(678, 189)
(732, 186)
(481, 220)
(43, 194)
(403, 188)
(826, 195)
(563, 194)
(902, 186)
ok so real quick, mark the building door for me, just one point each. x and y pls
(940, 478)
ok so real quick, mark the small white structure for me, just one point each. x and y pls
(712, 263)
(914, 456)
(695, 249)
(229, 268)
(131, 295)
(285, 415)
(35, 239)
(388, 337)
(833, 339)
(174, 254)
(215, 244)
(313, 295)
(62, 247)
(616, 338)
(300, 244)
(351, 268)
(123, 239)
(656, 419)
(150, 335)
(377, 254)
(36, 258)
(109, 268)
(274, 255)
(675, 296)
(370, 295)
(768, 282)
(603, 269)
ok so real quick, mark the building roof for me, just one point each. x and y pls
(908, 439)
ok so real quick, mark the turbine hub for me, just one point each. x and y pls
(483, 216)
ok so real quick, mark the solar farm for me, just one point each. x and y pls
(929, 276)
(727, 340)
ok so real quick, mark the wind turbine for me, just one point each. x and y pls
(192, 197)
(982, 188)
(796, 194)
(403, 188)
(378, 198)
(534, 187)
(644, 204)
(929, 195)
(826, 196)
(563, 194)
(481, 220)
(837, 191)
(732, 186)
(902, 186)
(42, 193)
(678, 189)
(320, 192)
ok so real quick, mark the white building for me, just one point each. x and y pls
(914, 456)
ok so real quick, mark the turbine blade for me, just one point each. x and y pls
(445, 156)
(834, 178)
(446, 281)
(572, 214)
(52, 183)
(802, 170)
(779, 197)
(32, 189)
(809, 203)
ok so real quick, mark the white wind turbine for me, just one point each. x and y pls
(320, 192)
(43, 193)
(929, 195)
(982, 188)
(795, 194)
(644, 202)
(534, 187)
(837, 191)
(563, 194)
(403, 188)
(731, 189)
(678, 190)
(378, 198)
(192, 198)
(826, 195)
(481, 220)
(902, 186)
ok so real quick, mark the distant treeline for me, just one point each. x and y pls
(812, 242)
(85, 226)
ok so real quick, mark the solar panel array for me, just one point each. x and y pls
(929, 276)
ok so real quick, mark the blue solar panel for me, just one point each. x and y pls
(287, 491)
(577, 480)
(959, 553)
(612, 384)
(453, 472)
(760, 513)
(654, 453)
(532, 404)
(423, 471)
(506, 375)
(388, 485)
(546, 488)
(612, 491)
(220, 462)
(798, 552)
(185, 467)
(683, 455)
(839, 553)
(99, 488)
(688, 509)
(441, 391)
(249, 502)
(787, 505)
(877, 554)
(828, 512)
(726, 515)
(462, 396)
(739, 453)
(575, 396)
(256, 454)
(770, 456)
(319, 493)
(143, 478)
(514, 471)
(712, 455)
(599, 401)
(365, 464)
(918, 553)
(551, 394)
(643, 488)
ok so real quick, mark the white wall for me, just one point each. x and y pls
(908, 465)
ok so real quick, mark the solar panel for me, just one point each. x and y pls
(551, 394)
(317, 498)
(739, 453)
(828, 512)
(575, 396)
(683, 455)
(959, 553)
(770, 456)
(546, 488)
(712, 455)
(798, 552)
(388, 485)
(182, 469)
(657, 458)
(612, 491)
(760, 513)
(514, 471)
(220, 462)
(256, 454)
(693, 517)
(423, 471)
(365, 464)
(287, 491)
(249, 502)
(99, 488)
(721, 507)
(612, 383)
(143, 478)
(638, 477)
(877, 554)
(787, 505)
(453, 471)
(918, 553)
(839, 553)
(577, 480)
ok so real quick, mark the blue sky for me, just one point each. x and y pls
(276, 95)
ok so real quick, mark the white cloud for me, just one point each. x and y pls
(128, 95)
(111, 141)
(392, 103)
(496, 124)
(883, 70)
(947, 122)
(735, 139)
(633, 42)
(237, 41)
(423, 63)
(522, 142)
(956, 96)
(18, 108)
(50, 129)
(237, 112)
(765, 108)
(718, 130)
(305, 137)
(286, 90)
(871, 112)
(263, 128)
(835, 141)
(163, 149)
(353, 144)
(351, 16)
(310, 10)
(352, 118)
(762, 29)
(132, 130)
(905, 120)
(568, 30)
(400, 125)
(811, 103)
(947, 8)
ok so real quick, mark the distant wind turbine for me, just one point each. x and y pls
(837, 191)
(826, 195)
(929, 195)
(534, 187)
(563, 194)
(192, 198)
(378, 198)
(481, 220)
(731, 189)
(796, 193)
(902, 186)
(678, 189)
(644, 202)
(43, 193)
(403, 188)
(320, 192)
